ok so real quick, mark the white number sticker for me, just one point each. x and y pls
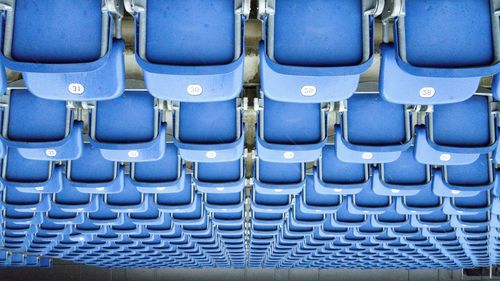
(76, 88)
(427, 92)
(51, 152)
(367, 156)
(308, 91)
(133, 154)
(194, 90)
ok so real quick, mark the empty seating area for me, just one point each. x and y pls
(403, 172)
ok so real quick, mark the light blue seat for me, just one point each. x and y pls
(165, 175)
(334, 177)
(372, 130)
(169, 51)
(464, 180)
(403, 177)
(456, 134)
(298, 65)
(435, 58)
(194, 217)
(209, 132)
(93, 174)
(290, 132)
(40, 129)
(66, 57)
(137, 136)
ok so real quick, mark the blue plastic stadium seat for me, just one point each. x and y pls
(315, 51)
(57, 221)
(372, 130)
(424, 202)
(290, 132)
(464, 180)
(129, 200)
(93, 174)
(169, 50)
(456, 134)
(312, 202)
(279, 178)
(298, 217)
(30, 180)
(344, 218)
(389, 218)
(209, 132)
(70, 199)
(219, 178)
(177, 202)
(479, 203)
(166, 175)
(436, 58)
(137, 136)
(367, 202)
(224, 203)
(64, 57)
(104, 216)
(403, 177)
(334, 177)
(41, 129)
(270, 206)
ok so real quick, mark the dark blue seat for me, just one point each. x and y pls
(298, 65)
(137, 136)
(165, 175)
(168, 48)
(66, 57)
(91, 173)
(372, 130)
(30, 183)
(275, 178)
(290, 132)
(333, 176)
(41, 129)
(435, 58)
(464, 180)
(456, 134)
(210, 131)
(403, 177)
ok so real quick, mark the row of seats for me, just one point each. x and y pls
(435, 58)
(182, 227)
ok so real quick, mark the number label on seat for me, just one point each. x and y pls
(76, 88)
(308, 91)
(51, 153)
(427, 92)
(194, 90)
